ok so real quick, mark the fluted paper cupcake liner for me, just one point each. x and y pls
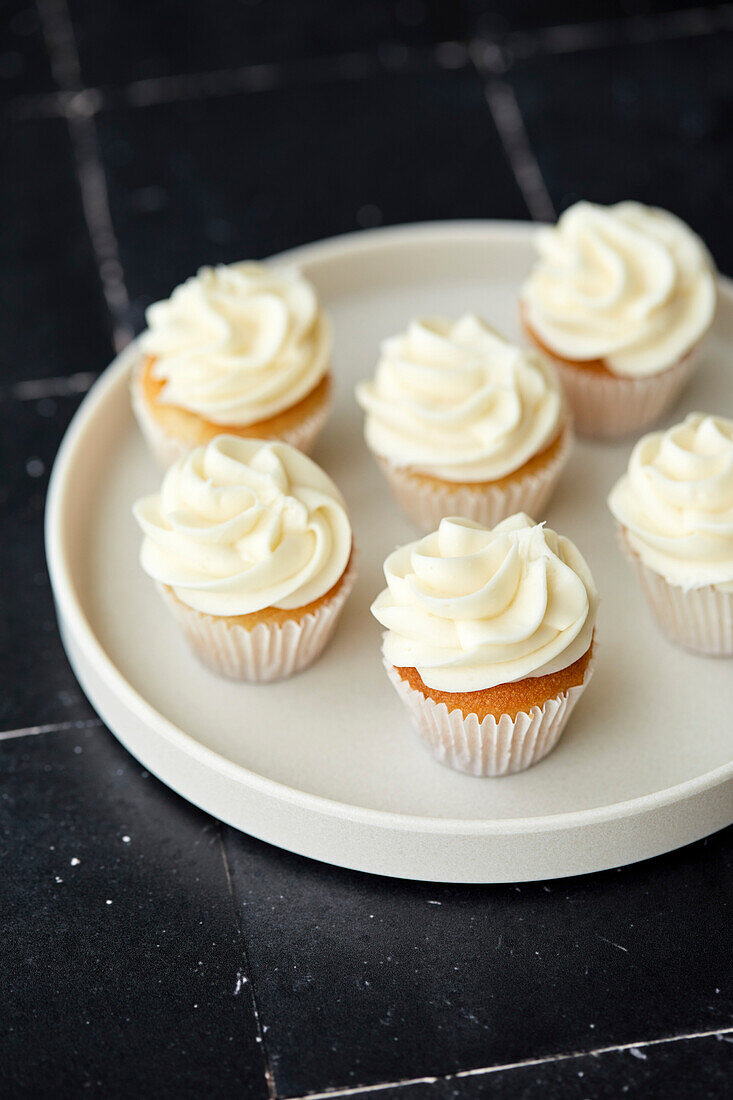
(700, 619)
(489, 747)
(268, 651)
(606, 406)
(167, 449)
(427, 502)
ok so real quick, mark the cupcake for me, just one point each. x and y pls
(243, 350)
(464, 423)
(674, 507)
(489, 639)
(620, 297)
(251, 549)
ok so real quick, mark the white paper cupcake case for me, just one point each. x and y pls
(167, 449)
(488, 748)
(608, 407)
(700, 619)
(270, 651)
(426, 503)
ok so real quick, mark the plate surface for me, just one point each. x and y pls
(325, 764)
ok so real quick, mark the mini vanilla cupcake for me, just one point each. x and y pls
(243, 350)
(464, 423)
(489, 640)
(674, 507)
(621, 297)
(251, 548)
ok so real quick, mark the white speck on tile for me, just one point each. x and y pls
(369, 216)
(637, 1053)
(241, 981)
(451, 55)
(613, 944)
(35, 467)
(58, 878)
(434, 902)
(126, 839)
(77, 749)
(74, 861)
(150, 199)
(109, 901)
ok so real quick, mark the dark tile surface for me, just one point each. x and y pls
(24, 65)
(696, 1069)
(666, 110)
(52, 314)
(361, 979)
(126, 40)
(214, 180)
(38, 686)
(122, 972)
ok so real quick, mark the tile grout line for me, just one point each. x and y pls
(502, 104)
(630, 30)
(33, 389)
(50, 727)
(246, 978)
(80, 106)
(268, 76)
(486, 1071)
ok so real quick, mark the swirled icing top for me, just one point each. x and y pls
(675, 502)
(240, 525)
(238, 344)
(471, 608)
(628, 284)
(455, 400)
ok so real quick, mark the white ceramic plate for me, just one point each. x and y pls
(325, 764)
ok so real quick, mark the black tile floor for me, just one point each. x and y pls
(360, 151)
(123, 960)
(24, 61)
(147, 949)
(378, 980)
(47, 259)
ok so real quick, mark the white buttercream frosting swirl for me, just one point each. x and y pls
(454, 399)
(471, 608)
(675, 502)
(628, 284)
(240, 525)
(238, 344)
